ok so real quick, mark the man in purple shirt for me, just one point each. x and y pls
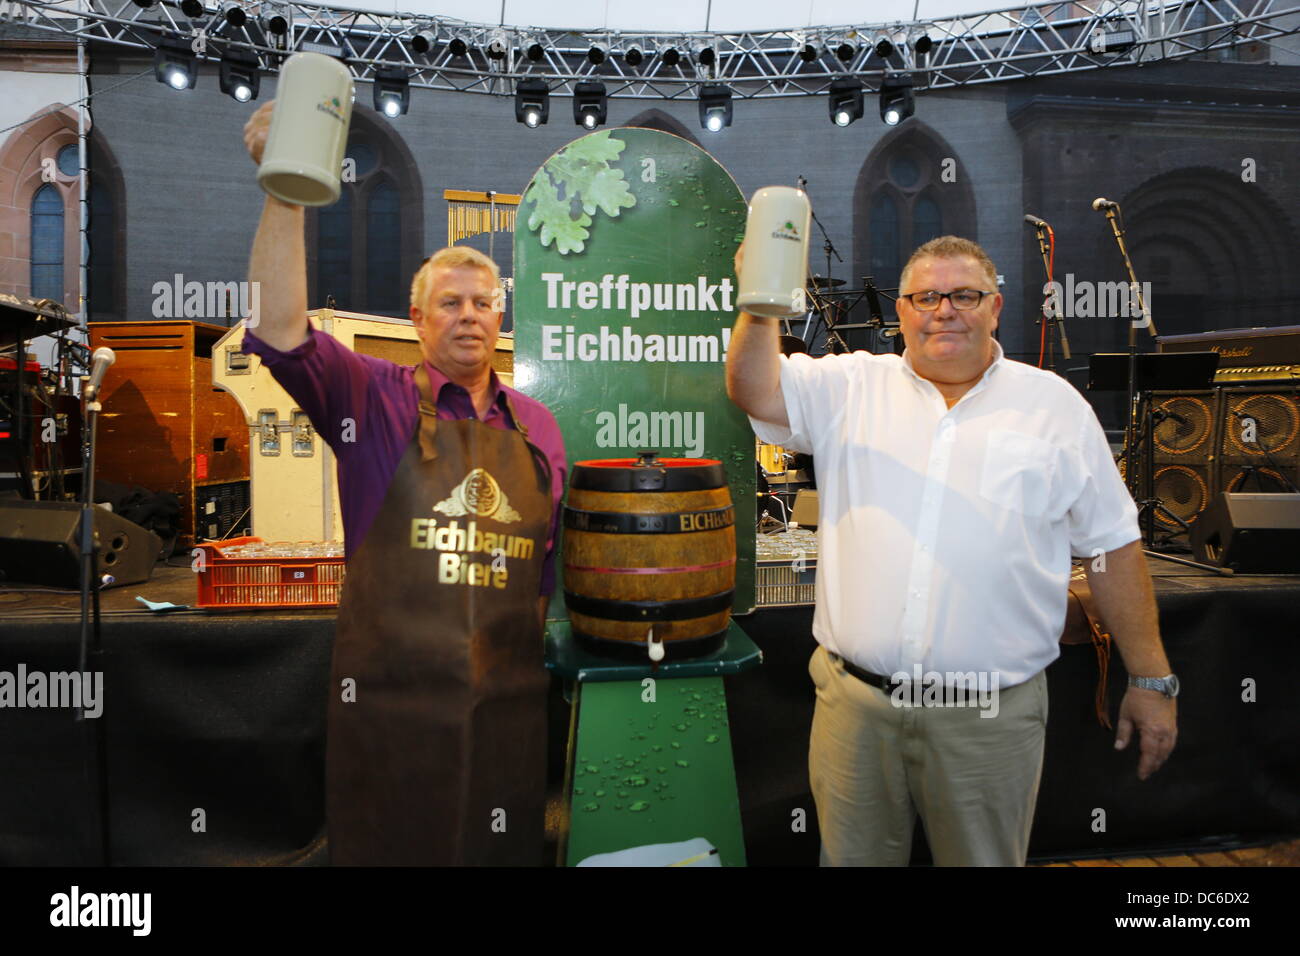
(451, 485)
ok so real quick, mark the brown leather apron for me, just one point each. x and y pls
(436, 755)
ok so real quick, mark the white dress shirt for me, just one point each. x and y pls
(945, 534)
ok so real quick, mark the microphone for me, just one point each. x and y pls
(1101, 204)
(1041, 224)
(100, 362)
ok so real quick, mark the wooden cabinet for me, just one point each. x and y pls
(163, 425)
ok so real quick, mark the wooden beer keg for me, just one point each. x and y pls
(649, 542)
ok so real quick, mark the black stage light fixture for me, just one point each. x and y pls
(589, 104)
(457, 46)
(705, 56)
(671, 56)
(143, 4)
(845, 52)
(922, 44)
(845, 100)
(532, 102)
(277, 24)
(535, 52)
(633, 56)
(423, 41)
(238, 75)
(896, 101)
(498, 46)
(808, 52)
(884, 48)
(715, 107)
(192, 8)
(596, 54)
(235, 15)
(392, 92)
(175, 64)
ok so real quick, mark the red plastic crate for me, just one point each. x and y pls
(229, 580)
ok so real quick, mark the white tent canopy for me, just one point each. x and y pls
(672, 16)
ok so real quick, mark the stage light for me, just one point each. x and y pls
(589, 104)
(143, 4)
(846, 52)
(192, 9)
(532, 102)
(235, 15)
(457, 46)
(277, 24)
(671, 56)
(884, 48)
(423, 41)
(174, 63)
(633, 56)
(596, 54)
(896, 100)
(705, 56)
(498, 46)
(922, 44)
(808, 52)
(239, 76)
(392, 92)
(845, 100)
(535, 51)
(715, 107)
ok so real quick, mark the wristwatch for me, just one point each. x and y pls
(1166, 685)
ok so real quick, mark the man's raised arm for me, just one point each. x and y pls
(279, 260)
(754, 366)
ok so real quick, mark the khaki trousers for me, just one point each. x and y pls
(874, 765)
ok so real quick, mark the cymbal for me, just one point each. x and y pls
(824, 282)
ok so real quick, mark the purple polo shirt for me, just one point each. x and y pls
(331, 383)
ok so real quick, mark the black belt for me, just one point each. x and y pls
(875, 680)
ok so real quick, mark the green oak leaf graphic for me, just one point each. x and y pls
(551, 214)
(582, 169)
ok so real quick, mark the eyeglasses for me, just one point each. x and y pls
(962, 299)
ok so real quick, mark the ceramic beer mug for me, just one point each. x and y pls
(775, 270)
(309, 131)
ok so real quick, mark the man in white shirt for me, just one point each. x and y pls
(955, 484)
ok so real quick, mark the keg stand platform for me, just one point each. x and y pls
(649, 752)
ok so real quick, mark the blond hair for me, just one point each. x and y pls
(952, 247)
(451, 257)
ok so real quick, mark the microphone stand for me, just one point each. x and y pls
(96, 765)
(1052, 316)
(1130, 433)
(832, 337)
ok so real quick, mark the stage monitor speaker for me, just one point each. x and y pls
(806, 509)
(1253, 533)
(39, 544)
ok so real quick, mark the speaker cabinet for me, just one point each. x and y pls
(1254, 533)
(40, 544)
(1184, 439)
(1260, 440)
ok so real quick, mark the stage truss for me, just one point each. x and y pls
(990, 47)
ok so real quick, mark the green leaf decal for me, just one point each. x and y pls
(582, 169)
